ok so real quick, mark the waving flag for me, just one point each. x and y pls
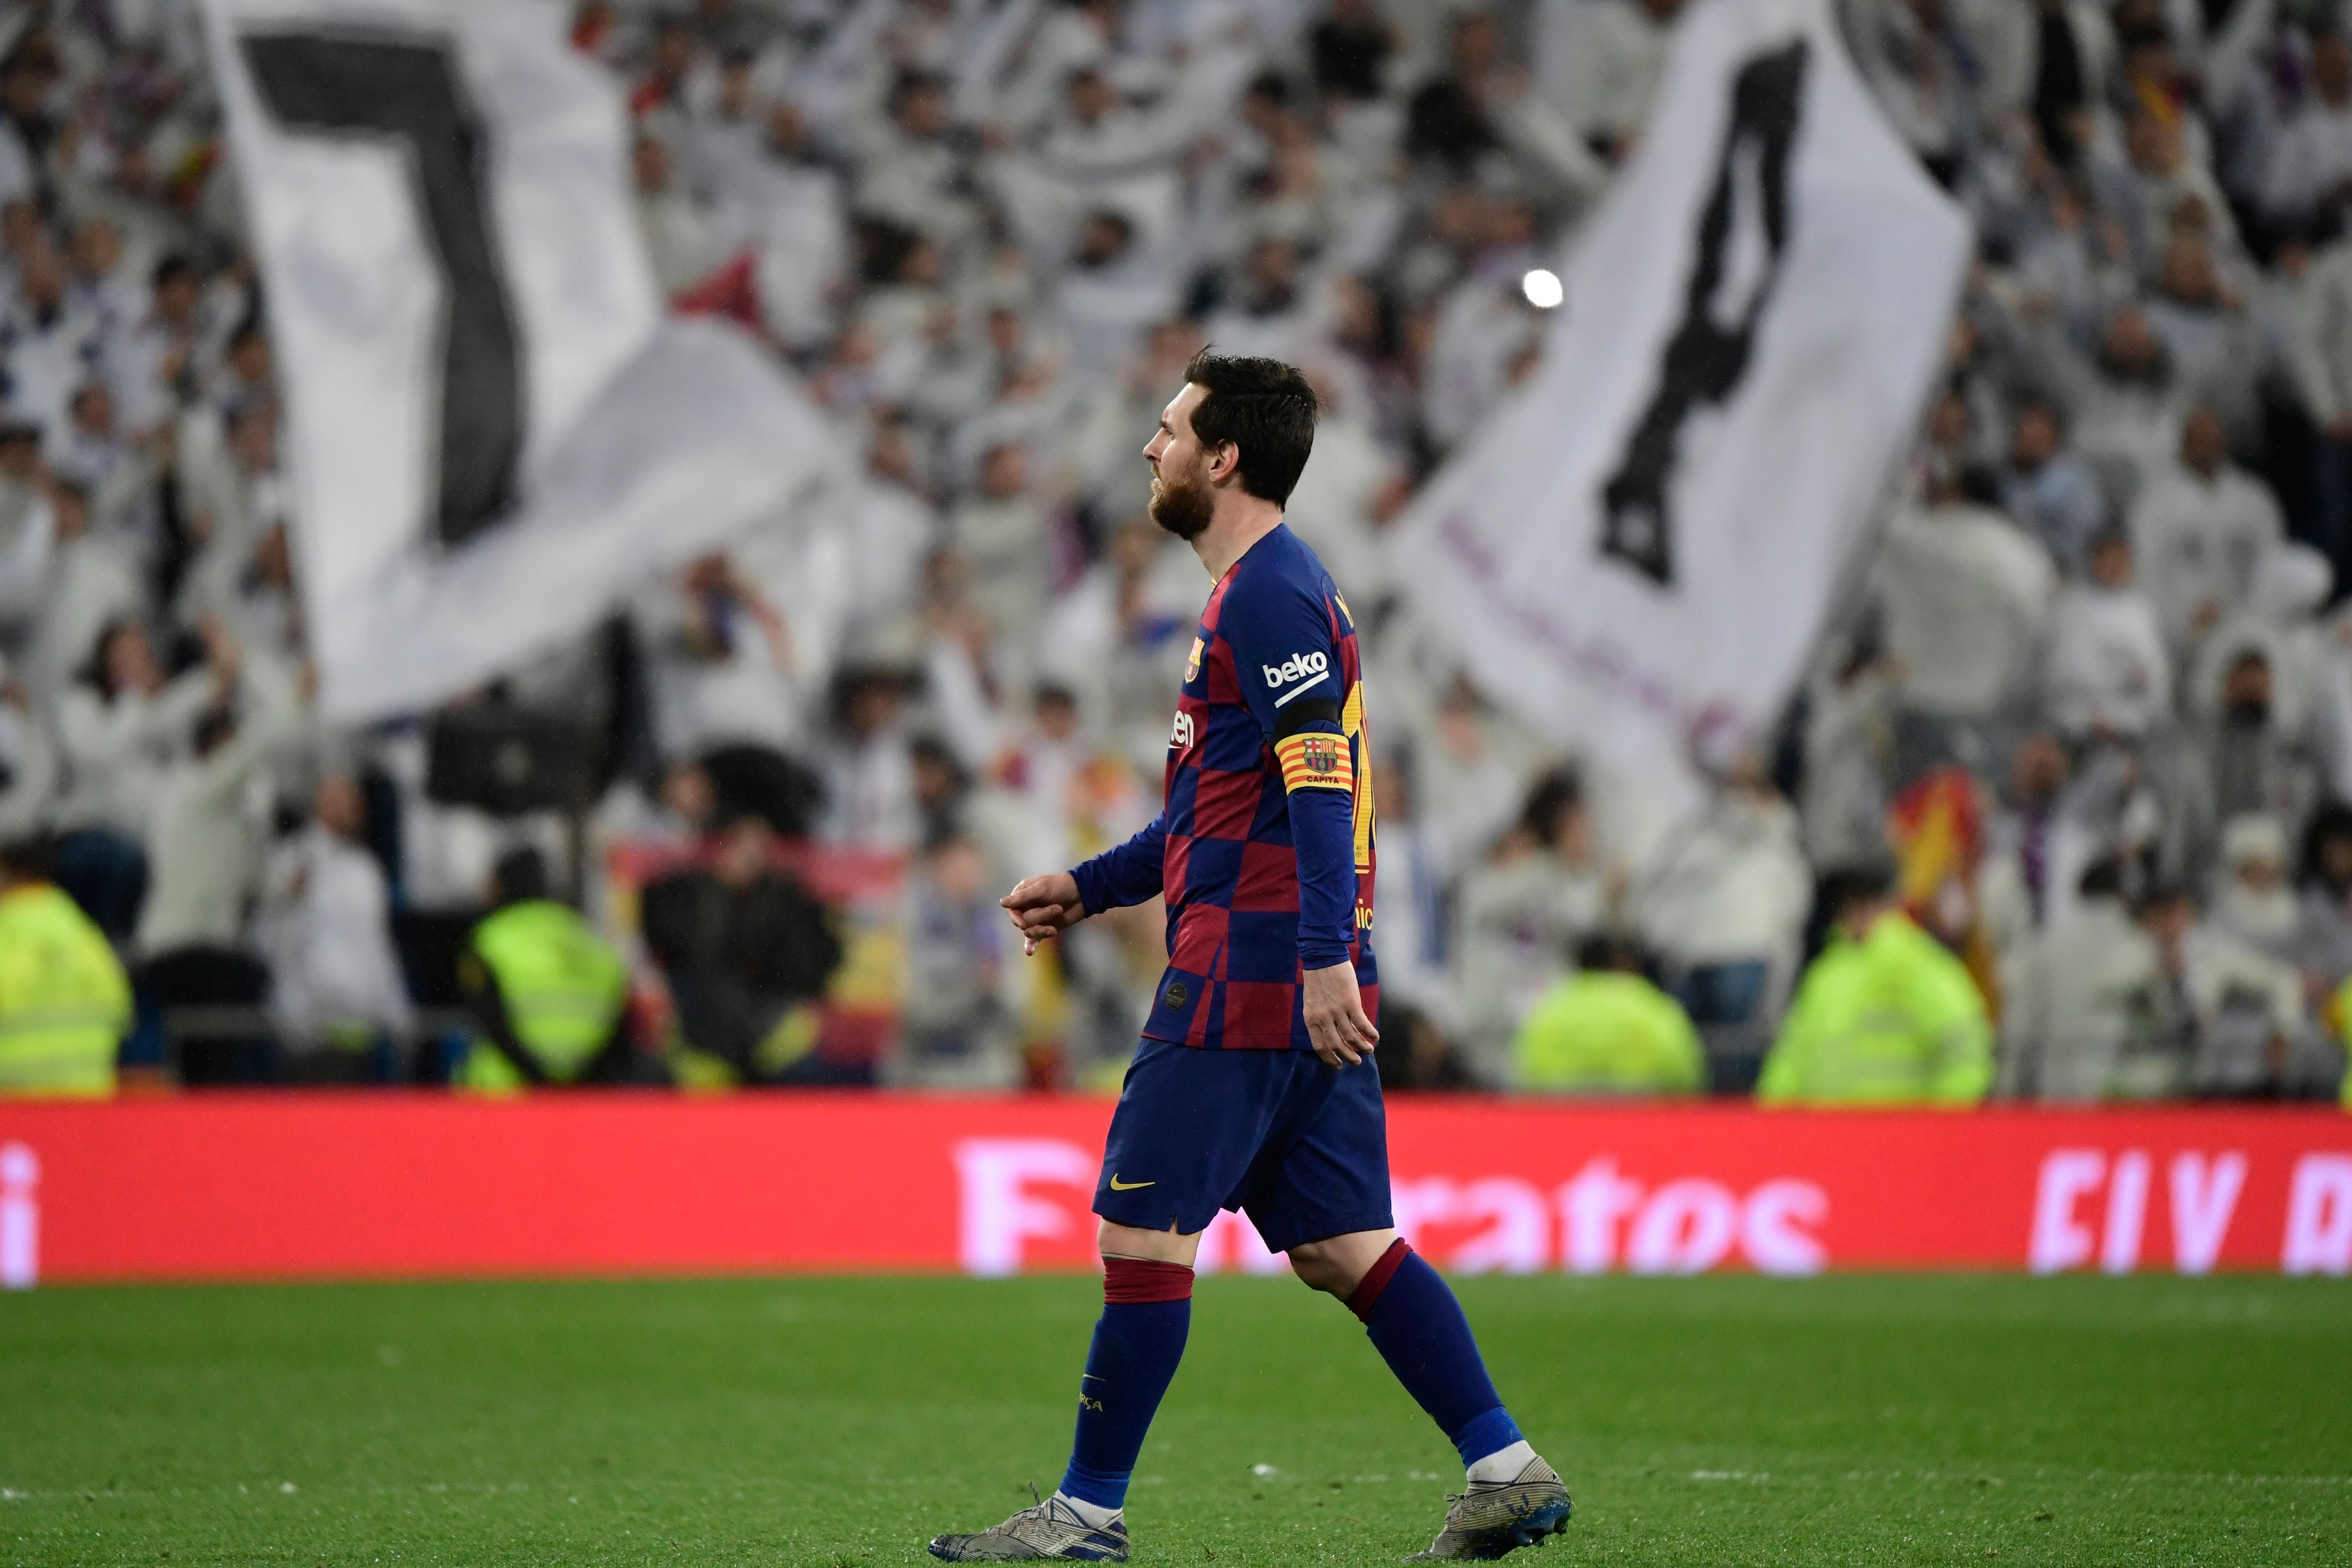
(1638, 551)
(495, 429)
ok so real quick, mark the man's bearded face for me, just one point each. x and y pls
(1182, 503)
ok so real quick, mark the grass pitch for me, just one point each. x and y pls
(841, 1422)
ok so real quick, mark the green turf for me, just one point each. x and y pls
(1896, 1420)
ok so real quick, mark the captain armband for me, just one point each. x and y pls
(1316, 760)
(1313, 758)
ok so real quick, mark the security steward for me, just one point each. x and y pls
(2337, 1016)
(1887, 1015)
(1606, 1029)
(64, 1002)
(548, 994)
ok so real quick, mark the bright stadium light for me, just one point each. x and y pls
(1541, 286)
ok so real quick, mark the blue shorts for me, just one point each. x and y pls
(1301, 1148)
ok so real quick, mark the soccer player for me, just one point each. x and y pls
(1252, 1089)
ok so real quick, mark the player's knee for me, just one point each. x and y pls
(1319, 1270)
(1337, 1264)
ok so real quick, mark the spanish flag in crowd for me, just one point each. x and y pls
(1937, 829)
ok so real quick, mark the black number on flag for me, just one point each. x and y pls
(367, 85)
(1706, 359)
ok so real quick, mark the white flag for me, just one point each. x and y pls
(1639, 548)
(494, 427)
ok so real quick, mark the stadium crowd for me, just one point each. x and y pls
(2090, 729)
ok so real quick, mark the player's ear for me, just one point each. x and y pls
(1225, 463)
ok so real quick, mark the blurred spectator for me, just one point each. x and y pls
(1886, 1016)
(1540, 894)
(64, 1003)
(1349, 48)
(2094, 1013)
(2325, 879)
(550, 996)
(1603, 61)
(2039, 842)
(2338, 1008)
(677, 238)
(121, 726)
(1000, 531)
(955, 1031)
(2235, 760)
(2245, 1008)
(2256, 903)
(1724, 907)
(48, 342)
(2050, 490)
(1965, 593)
(1606, 1029)
(2203, 529)
(2310, 164)
(747, 952)
(721, 666)
(681, 812)
(205, 842)
(2107, 676)
(870, 780)
(93, 579)
(326, 930)
(2319, 358)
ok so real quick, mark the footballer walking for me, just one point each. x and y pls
(1252, 1089)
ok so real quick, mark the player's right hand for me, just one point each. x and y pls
(1334, 1010)
(1043, 906)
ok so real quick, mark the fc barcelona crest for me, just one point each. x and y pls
(1193, 663)
(1320, 754)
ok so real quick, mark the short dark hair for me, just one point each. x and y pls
(1606, 950)
(2103, 878)
(1551, 795)
(2329, 823)
(1843, 892)
(1263, 407)
(520, 874)
(29, 858)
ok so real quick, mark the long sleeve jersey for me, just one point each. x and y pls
(1263, 849)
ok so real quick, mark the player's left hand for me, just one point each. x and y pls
(1334, 1008)
(1043, 907)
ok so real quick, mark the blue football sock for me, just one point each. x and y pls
(1138, 1340)
(1418, 1327)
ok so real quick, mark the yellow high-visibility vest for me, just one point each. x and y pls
(1891, 1020)
(1604, 1033)
(562, 986)
(64, 1000)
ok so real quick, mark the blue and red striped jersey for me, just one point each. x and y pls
(1263, 849)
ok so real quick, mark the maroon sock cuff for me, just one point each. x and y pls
(1367, 1293)
(1128, 1280)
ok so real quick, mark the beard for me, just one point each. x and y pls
(1182, 507)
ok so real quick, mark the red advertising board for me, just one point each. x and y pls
(353, 1186)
